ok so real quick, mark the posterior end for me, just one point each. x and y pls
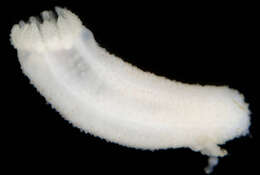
(212, 162)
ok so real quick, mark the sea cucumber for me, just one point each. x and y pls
(109, 98)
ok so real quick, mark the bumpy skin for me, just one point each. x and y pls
(114, 100)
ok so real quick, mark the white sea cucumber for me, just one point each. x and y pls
(107, 97)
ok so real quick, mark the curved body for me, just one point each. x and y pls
(109, 98)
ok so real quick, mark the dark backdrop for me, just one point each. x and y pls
(194, 43)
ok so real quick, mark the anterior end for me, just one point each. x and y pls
(26, 36)
(53, 33)
(69, 26)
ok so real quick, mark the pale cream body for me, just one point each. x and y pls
(107, 97)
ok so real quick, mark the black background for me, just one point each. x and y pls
(193, 43)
